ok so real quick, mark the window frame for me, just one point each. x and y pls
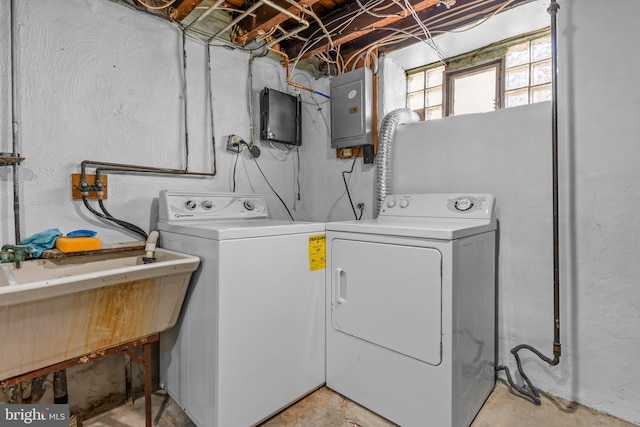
(448, 87)
(469, 62)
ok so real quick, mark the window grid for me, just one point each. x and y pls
(528, 72)
(527, 79)
(425, 92)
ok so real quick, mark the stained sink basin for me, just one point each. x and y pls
(55, 310)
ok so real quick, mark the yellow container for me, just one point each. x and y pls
(77, 244)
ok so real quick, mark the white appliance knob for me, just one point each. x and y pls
(391, 203)
(190, 204)
(249, 205)
(463, 204)
(207, 204)
(404, 203)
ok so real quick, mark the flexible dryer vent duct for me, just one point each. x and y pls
(383, 160)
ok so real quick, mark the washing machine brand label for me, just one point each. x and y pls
(317, 252)
(183, 215)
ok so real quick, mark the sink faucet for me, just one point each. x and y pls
(16, 254)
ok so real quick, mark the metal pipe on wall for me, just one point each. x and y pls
(14, 125)
(553, 11)
(530, 390)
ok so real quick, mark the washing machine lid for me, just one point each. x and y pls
(229, 230)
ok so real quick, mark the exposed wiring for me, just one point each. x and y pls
(346, 186)
(482, 21)
(285, 59)
(313, 98)
(164, 6)
(211, 121)
(286, 151)
(235, 164)
(422, 27)
(311, 13)
(368, 9)
(272, 189)
(312, 42)
(252, 139)
(427, 33)
(184, 100)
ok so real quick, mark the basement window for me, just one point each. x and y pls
(507, 73)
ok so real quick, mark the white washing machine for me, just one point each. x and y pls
(411, 308)
(250, 338)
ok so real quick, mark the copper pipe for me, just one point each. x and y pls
(285, 58)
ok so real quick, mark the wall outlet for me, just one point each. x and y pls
(346, 152)
(233, 144)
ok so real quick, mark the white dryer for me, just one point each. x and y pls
(411, 308)
(250, 337)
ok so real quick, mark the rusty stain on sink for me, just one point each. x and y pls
(50, 321)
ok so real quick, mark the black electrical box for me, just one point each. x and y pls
(280, 117)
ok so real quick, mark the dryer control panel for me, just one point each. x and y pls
(469, 205)
(195, 206)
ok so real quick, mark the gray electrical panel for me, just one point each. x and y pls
(351, 108)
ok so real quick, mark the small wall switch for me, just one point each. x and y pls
(347, 152)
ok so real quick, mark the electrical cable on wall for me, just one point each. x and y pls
(346, 186)
(235, 164)
(272, 189)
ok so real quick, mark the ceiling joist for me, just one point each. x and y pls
(343, 27)
(358, 27)
(267, 19)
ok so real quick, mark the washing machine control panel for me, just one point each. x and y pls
(193, 206)
(479, 206)
(463, 204)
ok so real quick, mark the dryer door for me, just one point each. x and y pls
(388, 295)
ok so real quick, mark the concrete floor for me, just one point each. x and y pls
(325, 408)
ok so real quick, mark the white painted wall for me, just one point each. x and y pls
(98, 81)
(508, 152)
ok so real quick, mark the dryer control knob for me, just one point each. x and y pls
(207, 204)
(404, 203)
(391, 203)
(463, 204)
(249, 205)
(190, 204)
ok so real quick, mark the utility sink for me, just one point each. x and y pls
(55, 310)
